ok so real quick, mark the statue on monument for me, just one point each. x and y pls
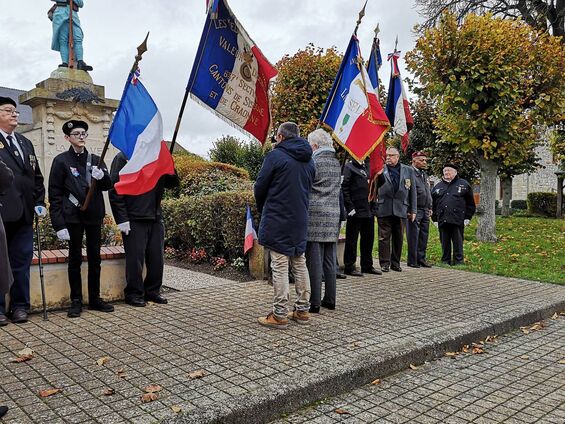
(67, 33)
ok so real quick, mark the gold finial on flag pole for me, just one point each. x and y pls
(361, 14)
(377, 30)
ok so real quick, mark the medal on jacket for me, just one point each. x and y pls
(32, 161)
(74, 171)
(407, 183)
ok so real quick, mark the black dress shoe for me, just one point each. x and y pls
(75, 309)
(3, 410)
(19, 316)
(373, 271)
(157, 299)
(99, 305)
(64, 65)
(426, 264)
(340, 276)
(81, 65)
(413, 265)
(3, 320)
(385, 268)
(354, 273)
(458, 263)
(330, 306)
(314, 309)
(136, 301)
(396, 268)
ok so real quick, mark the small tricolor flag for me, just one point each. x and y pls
(397, 107)
(352, 112)
(250, 233)
(230, 76)
(377, 161)
(137, 130)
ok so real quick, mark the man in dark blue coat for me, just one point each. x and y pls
(282, 194)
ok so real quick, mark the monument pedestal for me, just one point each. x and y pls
(67, 94)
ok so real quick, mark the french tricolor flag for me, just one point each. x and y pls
(230, 75)
(250, 233)
(397, 107)
(137, 130)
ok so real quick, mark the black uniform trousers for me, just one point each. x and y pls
(144, 245)
(19, 237)
(93, 234)
(451, 234)
(354, 226)
(417, 237)
(391, 232)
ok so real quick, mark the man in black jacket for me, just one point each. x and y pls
(6, 278)
(140, 221)
(72, 174)
(396, 202)
(360, 221)
(20, 201)
(453, 208)
(417, 230)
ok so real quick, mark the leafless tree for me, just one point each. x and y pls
(546, 15)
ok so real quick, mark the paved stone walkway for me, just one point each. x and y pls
(252, 374)
(519, 379)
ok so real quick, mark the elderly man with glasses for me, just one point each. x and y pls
(72, 174)
(18, 204)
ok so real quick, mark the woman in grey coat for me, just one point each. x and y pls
(6, 178)
(323, 221)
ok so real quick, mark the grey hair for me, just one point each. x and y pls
(320, 138)
(395, 150)
(289, 130)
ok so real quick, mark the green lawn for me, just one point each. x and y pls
(529, 248)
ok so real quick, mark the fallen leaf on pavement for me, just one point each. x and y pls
(491, 338)
(342, 411)
(149, 397)
(49, 392)
(376, 382)
(413, 367)
(355, 344)
(176, 409)
(537, 326)
(555, 316)
(153, 388)
(24, 355)
(524, 357)
(102, 361)
(121, 373)
(109, 392)
(451, 354)
(525, 330)
(196, 374)
(562, 361)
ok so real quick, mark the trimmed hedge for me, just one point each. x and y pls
(201, 178)
(541, 203)
(214, 222)
(519, 205)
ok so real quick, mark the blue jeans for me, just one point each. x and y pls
(19, 237)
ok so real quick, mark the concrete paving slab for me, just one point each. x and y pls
(252, 373)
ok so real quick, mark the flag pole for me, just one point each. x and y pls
(142, 48)
(179, 119)
(361, 14)
(71, 59)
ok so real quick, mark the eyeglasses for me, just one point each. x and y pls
(79, 135)
(11, 111)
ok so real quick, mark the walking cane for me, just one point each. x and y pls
(40, 262)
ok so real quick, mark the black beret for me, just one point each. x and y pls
(7, 101)
(451, 165)
(72, 124)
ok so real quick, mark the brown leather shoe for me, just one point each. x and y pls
(301, 317)
(272, 321)
(19, 316)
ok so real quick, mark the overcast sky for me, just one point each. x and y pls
(114, 28)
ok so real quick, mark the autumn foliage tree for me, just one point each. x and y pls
(302, 86)
(493, 81)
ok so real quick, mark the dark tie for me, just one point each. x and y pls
(12, 141)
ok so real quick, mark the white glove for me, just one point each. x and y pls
(436, 224)
(63, 234)
(352, 212)
(466, 222)
(124, 227)
(97, 173)
(40, 211)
